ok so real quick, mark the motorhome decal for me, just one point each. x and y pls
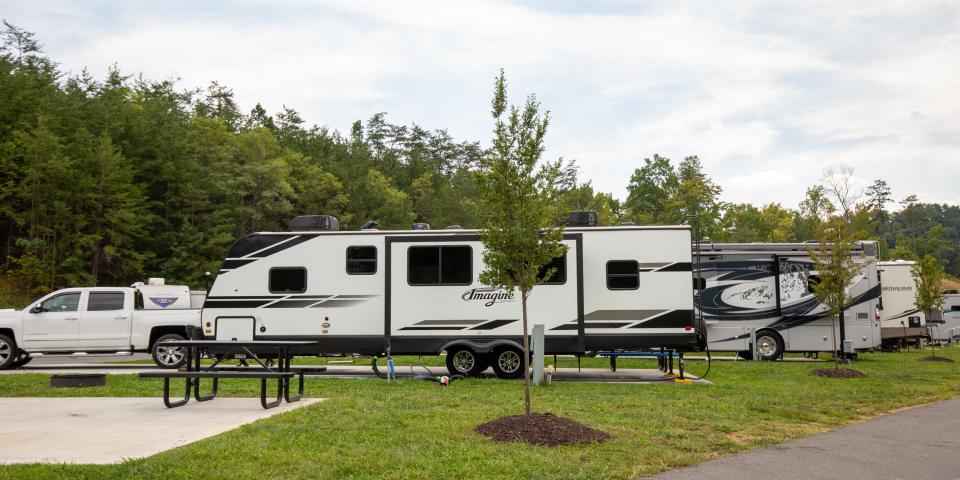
(632, 319)
(488, 295)
(164, 302)
(288, 301)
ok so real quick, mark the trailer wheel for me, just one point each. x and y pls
(8, 352)
(507, 363)
(169, 357)
(465, 362)
(769, 345)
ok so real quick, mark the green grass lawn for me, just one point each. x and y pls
(416, 429)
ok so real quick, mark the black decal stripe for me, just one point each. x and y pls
(495, 324)
(567, 326)
(904, 314)
(606, 324)
(283, 246)
(230, 264)
(672, 319)
(677, 267)
(432, 328)
(449, 322)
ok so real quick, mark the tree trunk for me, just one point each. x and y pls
(526, 357)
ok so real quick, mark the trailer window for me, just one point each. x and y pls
(440, 265)
(559, 277)
(288, 280)
(623, 275)
(105, 301)
(361, 260)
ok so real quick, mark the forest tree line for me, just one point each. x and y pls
(109, 181)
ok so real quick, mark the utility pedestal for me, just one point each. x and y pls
(537, 354)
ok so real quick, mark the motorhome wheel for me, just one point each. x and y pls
(169, 357)
(769, 345)
(8, 352)
(508, 363)
(465, 362)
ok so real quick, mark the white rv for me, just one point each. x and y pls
(900, 320)
(766, 288)
(948, 328)
(417, 292)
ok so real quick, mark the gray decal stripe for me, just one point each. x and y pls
(335, 303)
(279, 247)
(652, 266)
(348, 297)
(449, 322)
(630, 315)
(292, 304)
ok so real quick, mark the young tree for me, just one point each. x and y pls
(927, 276)
(519, 211)
(836, 269)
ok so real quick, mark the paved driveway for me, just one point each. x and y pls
(915, 444)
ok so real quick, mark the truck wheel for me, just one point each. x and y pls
(8, 352)
(507, 363)
(23, 360)
(169, 357)
(769, 345)
(465, 362)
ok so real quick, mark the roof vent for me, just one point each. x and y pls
(313, 223)
(371, 225)
(582, 219)
(453, 227)
(421, 226)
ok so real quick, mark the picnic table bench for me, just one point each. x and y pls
(282, 372)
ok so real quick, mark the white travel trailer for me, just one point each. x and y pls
(766, 287)
(417, 292)
(900, 320)
(948, 329)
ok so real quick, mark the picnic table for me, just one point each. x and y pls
(255, 350)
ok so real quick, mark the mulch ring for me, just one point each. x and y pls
(540, 429)
(837, 373)
(936, 358)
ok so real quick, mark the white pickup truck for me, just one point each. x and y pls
(102, 320)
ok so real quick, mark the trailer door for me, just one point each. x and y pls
(434, 295)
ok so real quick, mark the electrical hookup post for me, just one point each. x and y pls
(538, 354)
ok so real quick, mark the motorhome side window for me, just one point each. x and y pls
(623, 275)
(440, 265)
(288, 280)
(361, 260)
(559, 277)
(105, 301)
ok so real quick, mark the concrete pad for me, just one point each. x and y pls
(109, 430)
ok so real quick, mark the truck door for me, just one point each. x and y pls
(55, 325)
(105, 322)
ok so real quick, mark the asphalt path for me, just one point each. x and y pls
(917, 443)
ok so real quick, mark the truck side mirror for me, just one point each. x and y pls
(36, 309)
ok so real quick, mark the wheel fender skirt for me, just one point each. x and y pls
(480, 346)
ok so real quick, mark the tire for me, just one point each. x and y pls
(507, 363)
(23, 360)
(465, 362)
(8, 352)
(769, 345)
(168, 357)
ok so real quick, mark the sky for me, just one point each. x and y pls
(768, 94)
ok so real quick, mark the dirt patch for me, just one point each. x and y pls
(936, 358)
(837, 373)
(540, 429)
